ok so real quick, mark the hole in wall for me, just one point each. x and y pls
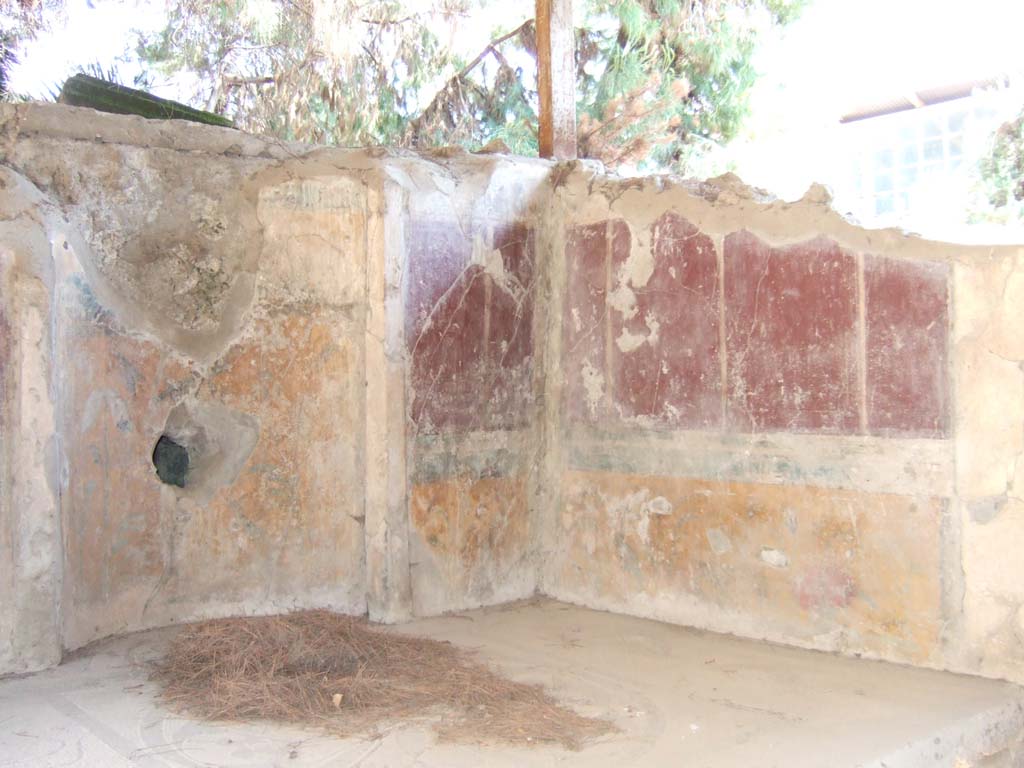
(171, 461)
(204, 447)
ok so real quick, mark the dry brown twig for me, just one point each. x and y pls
(341, 674)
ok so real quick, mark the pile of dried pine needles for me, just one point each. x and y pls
(339, 673)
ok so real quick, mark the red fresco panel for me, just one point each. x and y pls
(907, 323)
(444, 321)
(509, 355)
(470, 334)
(438, 252)
(447, 371)
(583, 323)
(791, 336)
(511, 321)
(676, 380)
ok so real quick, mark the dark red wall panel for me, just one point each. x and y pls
(791, 328)
(907, 328)
(437, 254)
(675, 381)
(509, 356)
(469, 327)
(447, 357)
(584, 316)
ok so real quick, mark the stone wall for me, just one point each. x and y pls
(340, 341)
(230, 323)
(775, 424)
(407, 384)
(30, 540)
(472, 258)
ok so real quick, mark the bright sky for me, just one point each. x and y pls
(844, 53)
(91, 34)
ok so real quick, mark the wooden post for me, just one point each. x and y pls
(556, 79)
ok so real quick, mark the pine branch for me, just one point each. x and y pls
(491, 47)
(461, 76)
(236, 82)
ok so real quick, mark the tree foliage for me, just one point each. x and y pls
(327, 72)
(656, 79)
(667, 76)
(1002, 173)
(26, 18)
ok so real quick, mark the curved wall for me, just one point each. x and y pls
(201, 300)
(242, 303)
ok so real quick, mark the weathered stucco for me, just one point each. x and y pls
(988, 374)
(209, 339)
(827, 568)
(408, 384)
(276, 311)
(30, 534)
(471, 260)
(774, 423)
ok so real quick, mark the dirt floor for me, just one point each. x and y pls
(679, 697)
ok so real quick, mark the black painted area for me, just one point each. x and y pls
(171, 461)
